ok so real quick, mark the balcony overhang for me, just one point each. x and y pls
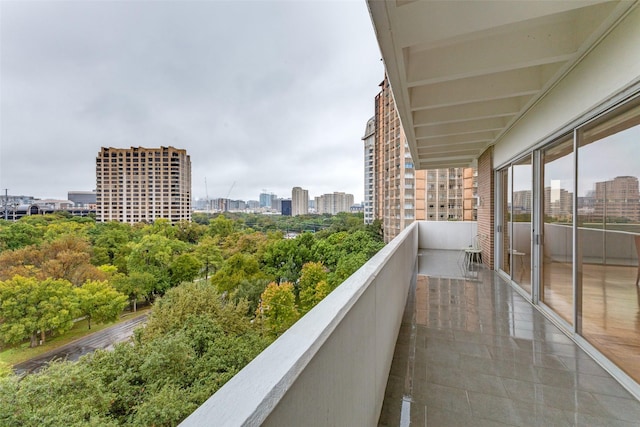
(464, 72)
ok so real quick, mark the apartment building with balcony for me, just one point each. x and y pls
(399, 192)
(143, 184)
(544, 97)
(394, 182)
(449, 194)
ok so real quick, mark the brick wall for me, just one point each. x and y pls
(486, 208)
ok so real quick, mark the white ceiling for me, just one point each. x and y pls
(463, 72)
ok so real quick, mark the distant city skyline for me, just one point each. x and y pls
(256, 92)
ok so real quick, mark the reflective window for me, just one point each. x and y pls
(609, 236)
(557, 233)
(521, 209)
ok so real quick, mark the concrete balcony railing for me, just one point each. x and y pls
(332, 366)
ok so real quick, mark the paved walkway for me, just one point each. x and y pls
(473, 352)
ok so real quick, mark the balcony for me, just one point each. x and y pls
(417, 336)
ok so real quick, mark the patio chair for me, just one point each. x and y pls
(473, 254)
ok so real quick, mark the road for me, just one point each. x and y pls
(103, 339)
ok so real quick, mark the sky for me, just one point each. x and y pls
(263, 95)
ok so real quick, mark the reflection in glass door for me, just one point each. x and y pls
(521, 209)
(556, 287)
(609, 236)
(504, 225)
(515, 186)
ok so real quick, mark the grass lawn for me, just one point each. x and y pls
(21, 352)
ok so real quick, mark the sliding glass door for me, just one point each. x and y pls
(556, 287)
(514, 228)
(584, 263)
(609, 236)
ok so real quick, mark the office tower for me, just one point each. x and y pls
(266, 199)
(369, 169)
(299, 201)
(143, 184)
(333, 203)
(286, 207)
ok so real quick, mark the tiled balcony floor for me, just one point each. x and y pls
(473, 352)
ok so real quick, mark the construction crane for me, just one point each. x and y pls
(226, 204)
(230, 188)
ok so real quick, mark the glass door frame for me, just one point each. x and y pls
(539, 236)
(502, 226)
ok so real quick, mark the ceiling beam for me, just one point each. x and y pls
(526, 47)
(456, 139)
(431, 21)
(505, 84)
(506, 107)
(458, 128)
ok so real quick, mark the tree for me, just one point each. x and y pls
(278, 310)
(30, 306)
(16, 235)
(347, 265)
(136, 285)
(221, 226)
(283, 259)
(66, 227)
(21, 262)
(236, 269)
(312, 274)
(209, 255)
(162, 227)
(63, 394)
(194, 299)
(109, 242)
(100, 302)
(68, 257)
(184, 268)
(250, 291)
(154, 255)
(189, 232)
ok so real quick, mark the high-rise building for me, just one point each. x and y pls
(618, 199)
(265, 199)
(446, 194)
(143, 184)
(394, 183)
(299, 201)
(369, 169)
(333, 203)
(398, 193)
(286, 207)
(276, 203)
